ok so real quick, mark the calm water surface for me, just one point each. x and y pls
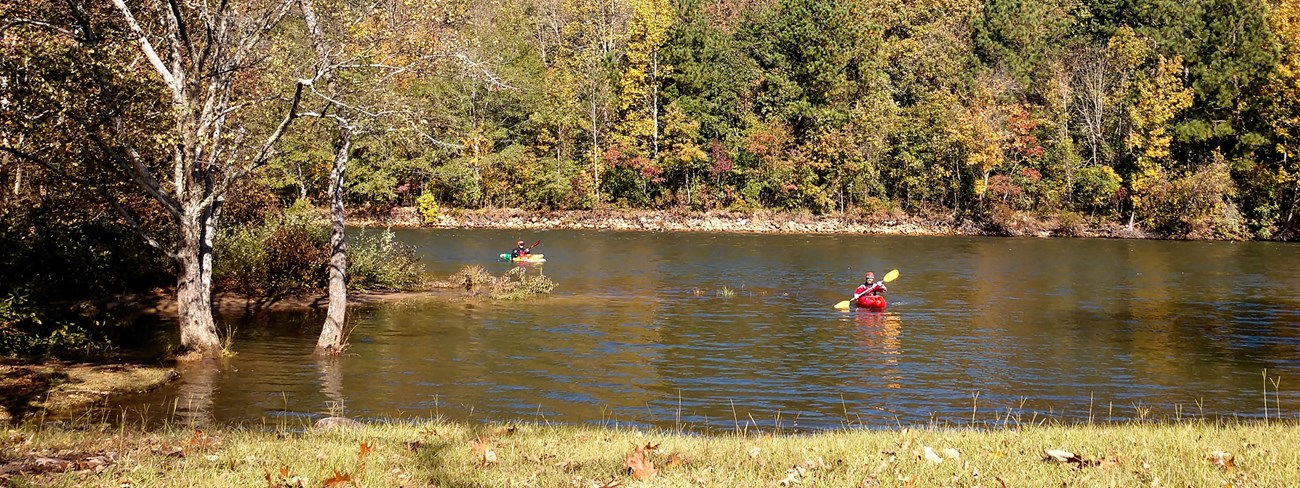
(642, 331)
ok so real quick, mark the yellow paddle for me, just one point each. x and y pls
(890, 276)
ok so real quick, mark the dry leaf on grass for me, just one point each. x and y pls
(482, 448)
(640, 467)
(339, 480)
(198, 440)
(1224, 460)
(1079, 461)
(366, 449)
(931, 456)
(792, 476)
(674, 460)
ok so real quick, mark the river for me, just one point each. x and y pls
(709, 331)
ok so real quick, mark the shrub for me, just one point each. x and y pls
(277, 258)
(29, 331)
(515, 284)
(428, 207)
(1197, 205)
(378, 261)
(1095, 188)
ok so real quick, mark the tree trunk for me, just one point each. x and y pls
(194, 290)
(654, 104)
(331, 335)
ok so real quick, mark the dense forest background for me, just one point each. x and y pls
(1179, 117)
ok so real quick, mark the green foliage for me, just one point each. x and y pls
(34, 332)
(277, 258)
(456, 182)
(1097, 188)
(951, 106)
(378, 261)
(1022, 36)
(1196, 205)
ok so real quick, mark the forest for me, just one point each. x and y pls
(129, 129)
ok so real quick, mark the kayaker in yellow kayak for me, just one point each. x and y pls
(520, 251)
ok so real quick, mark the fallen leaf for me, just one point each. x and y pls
(931, 456)
(640, 467)
(792, 476)
(1059, 455)
(198, 440)
(674, 460)
(754, 451)
(482, 447)
(950, 453)
(366, 449)
(339, 480)
(1224, 460)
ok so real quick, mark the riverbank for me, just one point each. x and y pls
(436, 453)
(57, 389)
(760, 221)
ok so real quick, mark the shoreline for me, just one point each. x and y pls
(758, 222)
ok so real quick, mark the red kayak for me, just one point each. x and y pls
(874, 303)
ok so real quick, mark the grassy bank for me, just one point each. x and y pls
(55, 389)
(434, 453)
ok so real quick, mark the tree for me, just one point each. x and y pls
(1158, 99)
(639, 129)
(200, 58)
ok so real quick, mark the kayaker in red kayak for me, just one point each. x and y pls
(869, 292)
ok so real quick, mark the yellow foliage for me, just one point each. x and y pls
(1284, 82)
(1158, 98)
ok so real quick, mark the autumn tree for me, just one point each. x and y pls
(1158, 98)
(200, 59)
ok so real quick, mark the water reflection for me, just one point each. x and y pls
(194, 392)
(879, 335)
(714, 330)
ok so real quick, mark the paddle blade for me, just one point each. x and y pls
(890, 276)
(538, 243)
(844, 305)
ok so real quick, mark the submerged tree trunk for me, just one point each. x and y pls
(194, 290)
(332, 339)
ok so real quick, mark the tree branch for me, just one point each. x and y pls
(149, 51)
(262, 153)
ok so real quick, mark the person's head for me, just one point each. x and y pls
(520, 243)
(871, 277)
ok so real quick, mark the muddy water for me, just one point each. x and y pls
(719, 331)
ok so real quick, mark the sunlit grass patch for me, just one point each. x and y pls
(515, 284)
(438, 453)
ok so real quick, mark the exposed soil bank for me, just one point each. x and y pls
(763, 221)
(60, 389)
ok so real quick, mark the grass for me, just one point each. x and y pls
(1199, 453)
(515, 284)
